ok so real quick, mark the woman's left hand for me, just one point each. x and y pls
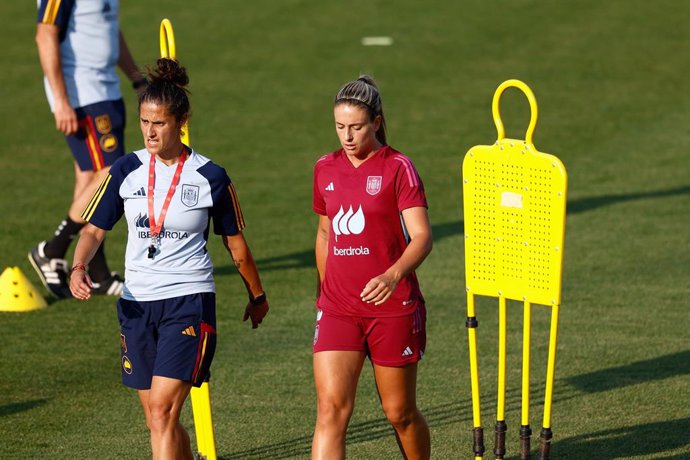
(256, 312)
(80, 284)
(379, 289)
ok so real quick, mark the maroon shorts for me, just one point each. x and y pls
(392, 342)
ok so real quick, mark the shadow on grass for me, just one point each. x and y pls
(371, 430)
(357, 432)
(9, 409)
(305, 259)
(589, 203)
(368, 430)
(648, 370)
(628, 442)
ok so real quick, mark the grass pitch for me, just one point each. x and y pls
(610, 80)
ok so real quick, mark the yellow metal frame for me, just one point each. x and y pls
(514, 214)
(201, 397)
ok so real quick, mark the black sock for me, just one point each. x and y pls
(65, 233)
(98, 267)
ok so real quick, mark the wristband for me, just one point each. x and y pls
(258, 300)
(136, 84)
(76, 267)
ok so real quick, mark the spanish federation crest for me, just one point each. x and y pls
(189, 195)
(374, 184)
(103, 124)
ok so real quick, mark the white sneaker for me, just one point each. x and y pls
(112, 286)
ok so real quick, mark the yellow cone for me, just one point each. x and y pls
(17, 293)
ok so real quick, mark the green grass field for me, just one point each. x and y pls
(611, 82)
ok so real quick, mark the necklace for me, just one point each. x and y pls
(157, 225)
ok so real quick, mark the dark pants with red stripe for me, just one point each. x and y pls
(173, 338)
(100, 139)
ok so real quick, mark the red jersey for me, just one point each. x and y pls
(367, 233)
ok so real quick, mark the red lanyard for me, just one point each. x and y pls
(156, 227)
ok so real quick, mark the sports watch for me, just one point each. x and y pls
(261, 298)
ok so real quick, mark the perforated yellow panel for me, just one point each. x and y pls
(514, 209)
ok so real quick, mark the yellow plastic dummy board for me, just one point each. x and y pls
(514, 210)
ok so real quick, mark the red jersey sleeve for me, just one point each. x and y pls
(409, 188)
(318, 203)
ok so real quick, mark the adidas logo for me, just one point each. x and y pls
(189, 331)
(407, 351)
(329, 187)
(140, 192)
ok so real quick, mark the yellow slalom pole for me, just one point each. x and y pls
(525, 431)
(167, 40)
(201, 396)
(501, 427)
(168, 50)
(203, 421)
(199, 426)
(546, 433)
(478, 431)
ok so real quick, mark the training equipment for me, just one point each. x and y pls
(168, 50)
(203, 421)
(201, 397)
(514, 209)
(17, 293)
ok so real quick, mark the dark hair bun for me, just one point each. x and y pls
(171, 71)
(368, 80)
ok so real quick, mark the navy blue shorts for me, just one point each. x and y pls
(100, 139)
(173, 338)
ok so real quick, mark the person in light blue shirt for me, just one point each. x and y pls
(79, 46)
(169, 194)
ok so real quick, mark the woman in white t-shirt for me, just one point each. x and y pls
(168, 194)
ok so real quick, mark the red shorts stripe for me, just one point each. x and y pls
(93, 145)
(206, 330)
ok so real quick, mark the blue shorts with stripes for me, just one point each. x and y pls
(100, 139)
(173, 338)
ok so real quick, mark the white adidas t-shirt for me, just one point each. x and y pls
(181, 264)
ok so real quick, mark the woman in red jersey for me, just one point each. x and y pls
(373, 232)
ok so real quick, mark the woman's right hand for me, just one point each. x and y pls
(65, 118)
(80, 284)
(255, 312)
(379, 289)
